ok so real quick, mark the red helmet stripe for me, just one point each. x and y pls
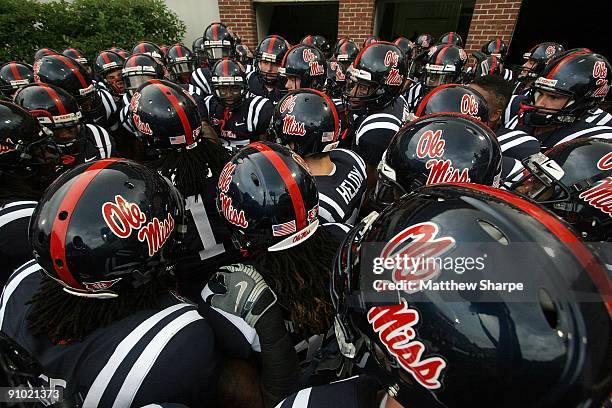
(441, 54)
(309, 40)
(215, 28)
(573, 55)
(56, 99)
(59, 229)
(333, 109)
(427, 97)
(450, 37)
(552, 223)
(15, 71)
(343, 47)
(74, 69)
(493, 65)
(497, 45)
(104, 55)
(292, 187)
(226, 66)
(271, 44)
(142, 48)
(179, 110)
(179, 50)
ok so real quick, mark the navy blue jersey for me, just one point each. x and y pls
(104, 112)
(202, 79)
(353, 392)
(258, 88)
(14, 245)
(375, 130)
(241, 125)
(413, 96)
(598, 117)
(341, 193)
(516, 143)
(577, 130)
(152, 355)
(99, 144)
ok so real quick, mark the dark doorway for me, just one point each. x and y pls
(296, 20)
(409, 18)
(570, 25)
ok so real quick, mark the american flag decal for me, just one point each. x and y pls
(280, 230)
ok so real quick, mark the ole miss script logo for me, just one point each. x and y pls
(395, 326)
(469, 105)
(600, 72)
(431, 145)
(123, 217)
(600, 195)
(416, 244)
(225, 202)
(394, 77)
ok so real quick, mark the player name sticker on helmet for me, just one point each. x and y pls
(395, 328)
(600, 195)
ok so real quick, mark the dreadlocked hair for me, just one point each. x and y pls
(61, 316)
(300, 278)
(189, 168)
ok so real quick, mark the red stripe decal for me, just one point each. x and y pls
(179, 51)
(142, 48)
(105, 57)
(74, 69)
(15, 71)
(179, 110)
(226, 67)
(331, 105)
(552, 72)
(58, 102)
(215, 28)
(441, 54)
(60, 227)
(427, 97)
(344, 47)
(271, 44)
(493, 65)
(552, 223)
(450, 37)
(497, 45)
(285, 173)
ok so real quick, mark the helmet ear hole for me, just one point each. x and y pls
(62, 215)
(493, 232)
(548, 308)
(255, 179)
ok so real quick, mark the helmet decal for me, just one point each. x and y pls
(123, 217)
(469, 105)
(605, 163)
(391, 59)
(600, 195)
(431, 144)
(395, 328)
(291, 126)
(288, 104)
(550, 51)
(230, 213)
(416, 244)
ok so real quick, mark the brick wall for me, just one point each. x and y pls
(492, 18)
(356, 19)
(239, 15)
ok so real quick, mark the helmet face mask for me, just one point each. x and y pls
(230, 95)
(268, 71)
(358, 93)
(387, 189)
(114, 81)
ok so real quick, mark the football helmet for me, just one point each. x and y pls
(270, 51)
(106, 63)
(229, 82)
(305, 63)
(496, 48)
(268, 198)
(580, 75)
(574, 180)
(433, 348)
(306, 120)
(456, 99)
(444, 66)
(106, 227)
(181, 63)
(149, 48)
(218, 42)
(451, 38)
(320, 42)
(438, 148)
(14, 75)
(138, 69)
(346, 51)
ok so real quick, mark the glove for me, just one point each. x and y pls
(241, 291)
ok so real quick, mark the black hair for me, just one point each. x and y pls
(300, 278)
(498, 87)
(61, 316)
(189, 168)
